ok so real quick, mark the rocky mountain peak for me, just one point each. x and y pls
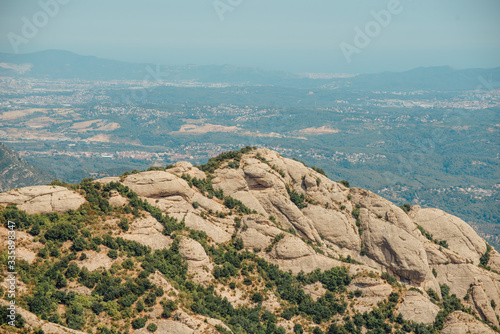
(254, 208)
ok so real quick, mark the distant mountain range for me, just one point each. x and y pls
(56, 64)
(15, 172)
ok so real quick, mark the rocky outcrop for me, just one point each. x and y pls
(184, 167)
(199, 265)
(43, 199)
(394, 248)
(169, 326)
(416, 307)
(315, 290)
(157, 184)
(334, 226)
(149, 232)
(319, 229)
(460, 277)
(483, 304)
(115, 199)
(463, 323)
(26, 247)
(95, 261)
(373, 291)
(461, 238)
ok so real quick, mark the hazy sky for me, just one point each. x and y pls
(292, 35)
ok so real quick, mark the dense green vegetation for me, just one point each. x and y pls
(124, 293)
(235, 156)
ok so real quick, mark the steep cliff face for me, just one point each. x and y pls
(15, 172)
(289, 215)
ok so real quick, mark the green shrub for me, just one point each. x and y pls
(405, 207)
(113, 254)
(152, 327)
(139, 323)
(61, 232)
(485, 258)
(123, 224)
(434, 296)
(297, 329)
(319, 170)
(257, 297)
(298, 200)
(79, 244)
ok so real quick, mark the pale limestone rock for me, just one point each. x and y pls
(187, 168)
(213, 230)
(96, 260)
(385, 210)
(259, 175)
(26, 248)
(291, 248)
(171, 204)
(198, 261)
(157, 184)
(254, 239)
(271, 199)
(373, 291)
(460, 277)
(192, 250)
(462, 323)
(416, 307)
(461, 238)
(147, 231)
(306, 264)
(158, 279)
(109, 179)
(395, 248)
(257, 232)
(333, 226)
(482, 304)
(315, 290)
(230, 180)
(168, 327)
(43, 199)
(115, 199)
(494, 262)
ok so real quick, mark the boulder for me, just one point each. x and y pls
(199, 265)
(483, 304)
(333, 226)
(461, 238)
(462, 323)
(184, 167)
(394, 248)
(149, 232)
(43, 199)
(315, 290)
(417, 307)
(115, 199)
(373, 291)
(158, 184)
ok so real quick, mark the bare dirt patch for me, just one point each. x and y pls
(323, 130)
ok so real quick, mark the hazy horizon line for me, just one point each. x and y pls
(248, 66)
